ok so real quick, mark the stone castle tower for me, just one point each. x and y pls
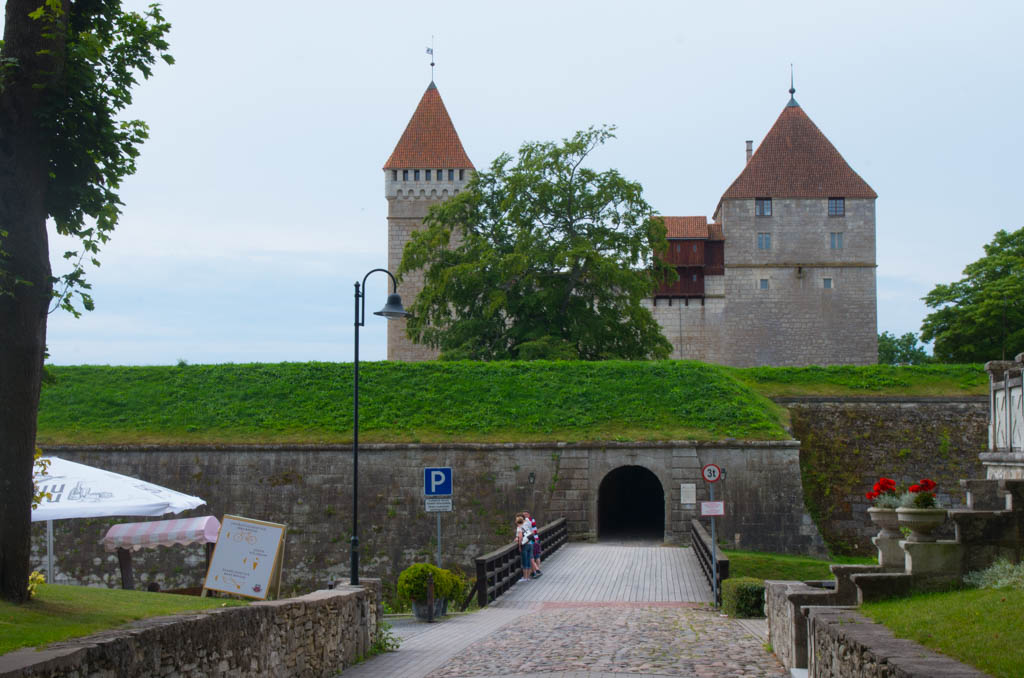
(427, 166)
(784, 274)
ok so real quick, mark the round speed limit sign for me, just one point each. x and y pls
(711, 473)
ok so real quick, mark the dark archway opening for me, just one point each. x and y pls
(631, 505)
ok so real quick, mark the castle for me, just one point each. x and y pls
(783, 274)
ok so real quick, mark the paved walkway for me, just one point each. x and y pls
(597, 611)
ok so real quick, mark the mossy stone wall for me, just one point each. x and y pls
(848, 443)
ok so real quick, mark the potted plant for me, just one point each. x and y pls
(886, 500)
(919, 512)
(412, 584)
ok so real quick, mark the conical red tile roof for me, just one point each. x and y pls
(796, 160)
(430, 139)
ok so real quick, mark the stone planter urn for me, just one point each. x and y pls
(422, 612)
(921, 521)
(887, 521)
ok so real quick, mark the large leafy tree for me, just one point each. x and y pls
(67, 68)
(540, 257)
(902, 350)
(981, 316)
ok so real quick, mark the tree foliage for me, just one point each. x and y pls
(981, 316)
(903, 350)
(540, 257)
(67, 69)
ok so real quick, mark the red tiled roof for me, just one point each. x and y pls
(430, 139)
(686, 227)
(796, 160)
(715, 231)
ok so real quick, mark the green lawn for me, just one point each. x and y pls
(850, 380)
(61, 612)
(982, 627)
(762, 565)
(454, 401)
(403, 402)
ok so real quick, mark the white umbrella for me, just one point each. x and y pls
(80, 491)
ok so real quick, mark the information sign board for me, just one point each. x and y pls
(438, 504)
(712, 508)
(245, 558)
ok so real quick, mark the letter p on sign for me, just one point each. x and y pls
(437, 482)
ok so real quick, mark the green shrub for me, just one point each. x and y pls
(1000, 575)
(412, 582)
(743, 597)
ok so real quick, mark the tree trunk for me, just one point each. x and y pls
(25, 279)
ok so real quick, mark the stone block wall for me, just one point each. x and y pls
(316, 635)
(846, 644)
(848, 443)
(309, 490)
(797, 321)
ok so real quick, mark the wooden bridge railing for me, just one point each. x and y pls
(701, 541)
(498, 570)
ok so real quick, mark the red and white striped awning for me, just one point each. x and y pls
(155, 533)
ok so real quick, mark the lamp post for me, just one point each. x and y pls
(392, 309)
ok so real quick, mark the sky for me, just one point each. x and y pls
(259, 197)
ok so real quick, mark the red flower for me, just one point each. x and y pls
(914, 488)
(927, 485)
(871, 495)
(887, 484)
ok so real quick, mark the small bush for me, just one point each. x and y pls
(412, 582)
(1000, 575)
(743, 597)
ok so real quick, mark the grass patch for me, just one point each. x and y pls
(850, 380)
(983, 628)
(761, 565)
(60, 612)
(403, 402)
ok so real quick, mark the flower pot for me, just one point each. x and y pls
(887, 521)
(921, 521)
(420, 609)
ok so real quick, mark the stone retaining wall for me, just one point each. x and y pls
(318, 634)
(848, 443)
(846, 644)
(308, 488)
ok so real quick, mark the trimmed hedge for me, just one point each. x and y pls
(743, 597)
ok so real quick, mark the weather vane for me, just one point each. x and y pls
(430, 51)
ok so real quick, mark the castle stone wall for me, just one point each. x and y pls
(797, 320)
(309, 490)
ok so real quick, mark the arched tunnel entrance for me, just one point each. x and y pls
(631, 505)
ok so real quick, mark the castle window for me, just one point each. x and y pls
(694, 247)
(461, 174)
(428, 175)
(405, 175)
(694, 277)
(439, 175)
(763, 207)
(827, 282)
(394, 175)
(415, 175)
(451, 175)
(835, 240)
(837, 207)
(764, 241)
(763, 284)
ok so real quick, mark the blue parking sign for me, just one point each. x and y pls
(437, 482)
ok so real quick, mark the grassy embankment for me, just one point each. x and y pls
(61, 612)
(763, 566)
(983, 627)
(461, 401)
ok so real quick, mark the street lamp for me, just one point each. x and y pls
(392, 309)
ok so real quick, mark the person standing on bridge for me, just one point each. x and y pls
(535, 534)
(525, 545)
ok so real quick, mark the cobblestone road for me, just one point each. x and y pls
(618, 638)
